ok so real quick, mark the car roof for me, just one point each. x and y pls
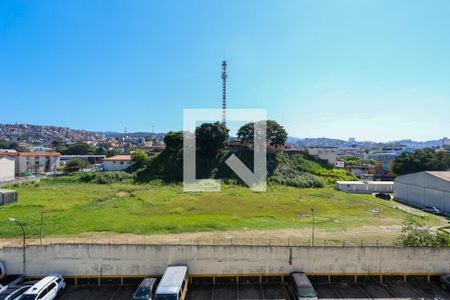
(301, 280)
(147, 282)
(172, 279)
(42, 283)
(12, 289)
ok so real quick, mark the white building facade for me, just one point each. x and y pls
(328, 154)
(37, 162)
(365, 187)
(117, 163)
(7, 166)
(429, 188)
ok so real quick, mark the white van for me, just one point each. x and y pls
(46, 289)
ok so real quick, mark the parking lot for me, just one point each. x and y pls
(230, 288)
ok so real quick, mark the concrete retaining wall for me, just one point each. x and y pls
(109, 260)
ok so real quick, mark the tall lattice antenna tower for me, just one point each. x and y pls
(224, 92)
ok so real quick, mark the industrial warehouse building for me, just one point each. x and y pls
(429, 188)
(365, 186)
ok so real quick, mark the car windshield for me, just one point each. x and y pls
(142, 292)
(307, 292)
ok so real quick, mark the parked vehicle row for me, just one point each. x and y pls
(47, 288)
(173, 285)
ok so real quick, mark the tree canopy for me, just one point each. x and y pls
(76, 165)
(415, 234)
(4, 144)
(275, 133)
(422, 160)
(211, 137)
(139, 158)
(174, 140)
(353, 160)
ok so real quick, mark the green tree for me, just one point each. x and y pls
(353, 160)
(174, 140)
(275, 133)
(211, 137)
(440, 161)
(76, 165)
(113, 152)
(4, 144)
(79, 149)
(415, 235)
(421, 160)
(47, 165)
(139, 158)
(100, 151)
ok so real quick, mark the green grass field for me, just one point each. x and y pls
(75, 208)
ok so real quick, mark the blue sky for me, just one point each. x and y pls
(377, 70)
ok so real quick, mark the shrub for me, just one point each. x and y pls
(106, 177)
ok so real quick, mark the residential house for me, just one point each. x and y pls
(117, 163)
(328, 154)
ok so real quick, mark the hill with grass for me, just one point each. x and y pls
(298, 170)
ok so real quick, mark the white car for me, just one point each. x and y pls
(46, 289)
(14, 292)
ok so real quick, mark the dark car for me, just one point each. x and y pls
(300, 287)
(146, 290)
(432, 209)
(445, 281)
(383, 196)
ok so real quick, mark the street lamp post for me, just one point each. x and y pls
(23, 240)
(42, 227)
(312, 233)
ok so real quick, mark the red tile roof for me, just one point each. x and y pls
(40, 153)
(9, 153)
(118, 158)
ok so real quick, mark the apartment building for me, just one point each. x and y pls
(37, 162)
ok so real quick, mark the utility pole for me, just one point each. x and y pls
(312, 233)
(224, 92)
(42, 226)
(23, 241)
